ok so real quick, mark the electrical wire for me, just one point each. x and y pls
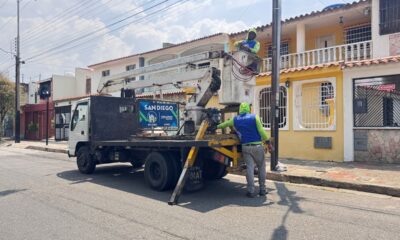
(6, 51)
(91, 34)
(239, 70)
(4, 3)
(54, 20)
(78, 34)
(11, 19)
(95, 31)
(108, 38)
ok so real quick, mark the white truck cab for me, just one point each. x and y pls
(79, 126)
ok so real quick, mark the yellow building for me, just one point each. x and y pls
(313, 49)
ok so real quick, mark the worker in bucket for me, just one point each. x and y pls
(252, 136)
(251, 45)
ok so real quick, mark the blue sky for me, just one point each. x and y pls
(47, 24)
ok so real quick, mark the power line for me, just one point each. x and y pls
(32, 41)
(96, 31)
(6, 51)
(11, 19)
(138, 20)
(54, 56)
(77, 36)
(56, 18)
(4, 3)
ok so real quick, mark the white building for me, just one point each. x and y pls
(372, 92)
(216, 42)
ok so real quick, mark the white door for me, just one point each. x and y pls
(325, 53)
(79, 130)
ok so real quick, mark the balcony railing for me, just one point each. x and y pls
(346, 52)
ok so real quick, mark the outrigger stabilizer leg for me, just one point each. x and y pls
(191, 158)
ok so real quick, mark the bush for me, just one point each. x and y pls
(33, 127)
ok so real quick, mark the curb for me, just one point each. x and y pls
(46, 149)
(281, 177)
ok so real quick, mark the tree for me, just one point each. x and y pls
(7, 98)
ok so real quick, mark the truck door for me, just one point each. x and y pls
(79, 130)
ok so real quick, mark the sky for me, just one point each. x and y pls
(57, 35)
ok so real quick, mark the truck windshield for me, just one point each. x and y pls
(80, 113)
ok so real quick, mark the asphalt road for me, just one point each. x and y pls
(43, 196)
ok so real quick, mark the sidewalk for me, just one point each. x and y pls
(53, 146)
(373, 178)
(367, 177)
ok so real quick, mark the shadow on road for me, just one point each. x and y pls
(216, 194)
(12, 191)
(287, 198)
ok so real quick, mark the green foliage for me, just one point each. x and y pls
(33, 127)
(7, 89)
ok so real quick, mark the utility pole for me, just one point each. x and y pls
(17, 79)
(47, 121)
(276, 52)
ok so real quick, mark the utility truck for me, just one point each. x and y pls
(163, 136)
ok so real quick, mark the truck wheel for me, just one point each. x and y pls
(86, 163)
(159, 171)
(213, 170)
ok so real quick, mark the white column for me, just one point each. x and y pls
(348, 135)
(300, 37)
(380, 43)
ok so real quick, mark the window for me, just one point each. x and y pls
(389, 16)
(105, 73)
(358, 34)
(315, 105)
(376, 101)
(126, 109)
(265, 107)
(130, 79)
(88, 85)
(79, 114)
(130, 67)
(284, 49)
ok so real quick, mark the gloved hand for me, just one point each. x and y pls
(244, 47)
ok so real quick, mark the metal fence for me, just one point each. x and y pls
(376, 103)
(265, 107)
(315, 106)
(389, 16)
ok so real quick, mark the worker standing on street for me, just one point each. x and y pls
(252, 135)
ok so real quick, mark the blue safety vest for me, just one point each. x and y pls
(246, 127)
(249, 43)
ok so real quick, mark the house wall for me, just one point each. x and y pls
(299, 144)
(36, 113)
(348, 76)
(152, 57)
(32, 93)
(63, 87)
(81, 74)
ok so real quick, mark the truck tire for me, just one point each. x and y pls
(159, 171)
(213, 170)
(84, 160)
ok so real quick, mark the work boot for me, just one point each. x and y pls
(250, 195)
(263, 192)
